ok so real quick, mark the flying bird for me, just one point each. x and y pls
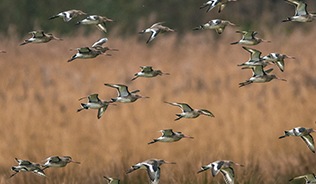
(223, 166)
(155, 29)
(153, 169)
(112, 180)
(56, 161)
(260, 76)
(148, 72)
(25, 165)
(301, 14)
(217, 24)
(212, 3)
(188, 112)
(95, 103)
(40, 37)
(124, 95)
(169, 136)
(97, 20)
(309, 178)
(93, 51)
(304, 133)
(277, 59)
(68, 15)
(255, 59)
(249, 38)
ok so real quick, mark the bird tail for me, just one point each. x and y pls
(285, 135)
(204, 168)
(244, 83)
(198, 28)
(73, 58)
(155, 140)
(286, 20)
(234, 43)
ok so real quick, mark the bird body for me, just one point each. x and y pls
(148, 72)
(56, 161)
(155, 29)
(301, 14)
(304, 133)
(188, 112)
(223, 166)
(124, 95)
(68, 15)
(153, 169)
(95, 103)
(255, 59)
(40, 37)
(216, 24)
(25, 165)
(249, 38)
(169, 136)
(212, 3)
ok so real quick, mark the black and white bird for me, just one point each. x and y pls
(25, 165)
(249, 38)
(212, 3)
(217, 24)
(223, 166)
(309, 178)
(95, 103)
(68, 15)
(97, 20)
(56, 161)
(40, 37)
(277, 59)
(153, 169)
(155, 29)
(304, 133)
(148, 72)
(169, 136)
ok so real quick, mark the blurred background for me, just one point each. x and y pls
(39, 92)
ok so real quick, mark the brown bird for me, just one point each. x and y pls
(68, 15)
(301, 14)
(249, 38)
(40, 37)
(155, 29)
(188, 112)
(56, 161)
(124, 95)
(277, 59)
(148, 72)
(169, 136)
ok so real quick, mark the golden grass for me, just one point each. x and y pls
(39, 97)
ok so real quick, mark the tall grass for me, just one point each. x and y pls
(39, 97)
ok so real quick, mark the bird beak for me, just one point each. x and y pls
(188, 137)
(143, 97)
(266, 41)
(75, 162)
(281, 79)
(165, 73)
(169, 162)
(110, 20)
(239, 164)
(290, 57)
(113, 49)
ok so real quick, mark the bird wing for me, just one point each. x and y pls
(39, 172)
(84, 50)
(207, 112)
(258, 71)
(146, 69)
(254, 54)
(300, 7)
(221, 7)
(153, 172)
(228, 174)
(101, 111)
(307, 177)
(38, 34)
(93, 98)
(183, 106)
(308, 139)
(54, 159)
(280, 64)
(247, 35)
(68, 15)
(167, 132)
(100, 42)
(216, 166)
(154, 33)
(156, 24)
(121, 89)
(102, 27)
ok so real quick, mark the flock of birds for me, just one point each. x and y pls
(256, 63)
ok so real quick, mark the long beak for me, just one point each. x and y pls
(110, 20)
(232, 24)
(143, 97)
(58, 38)
(265, 41)
(165, 73)
(169, 162)
(188, 137)
(281, 79)
(290, 57)
(239, 164)
(113, 49)
(75, 162)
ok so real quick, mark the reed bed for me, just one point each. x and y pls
(39, 97)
